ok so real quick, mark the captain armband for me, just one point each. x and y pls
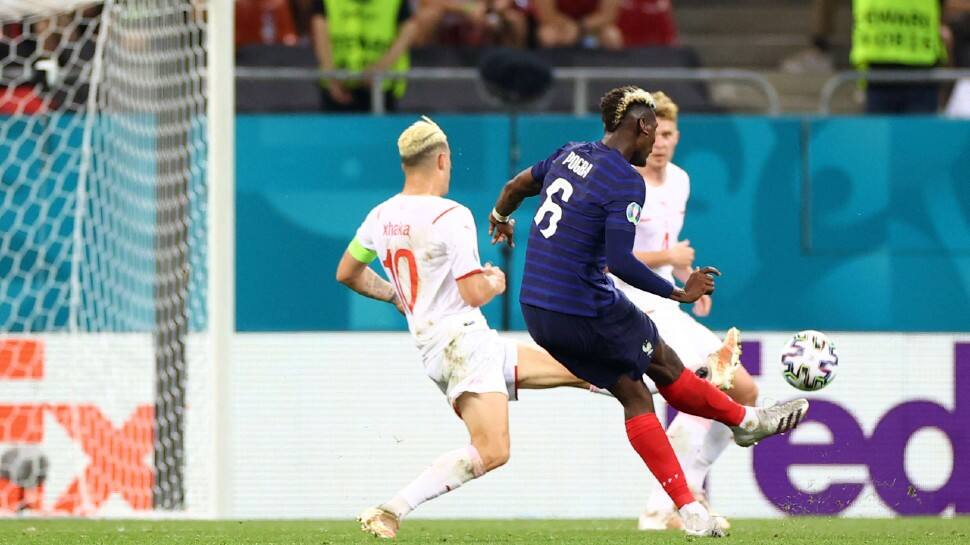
(358, 252)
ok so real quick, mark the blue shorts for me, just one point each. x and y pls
(600, 350)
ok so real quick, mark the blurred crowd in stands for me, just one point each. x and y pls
(392, 35)
(376, 35)
(611, 24)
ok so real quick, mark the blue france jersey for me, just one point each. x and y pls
(587, 188)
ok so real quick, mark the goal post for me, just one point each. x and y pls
(222, 235)
(116, 259)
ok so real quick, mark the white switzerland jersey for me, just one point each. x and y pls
(660, 223)
(426, 244)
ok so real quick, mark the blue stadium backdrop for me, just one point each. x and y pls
(837, 223)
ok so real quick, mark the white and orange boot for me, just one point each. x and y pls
(722, 363)
(379, 522)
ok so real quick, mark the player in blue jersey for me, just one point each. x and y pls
(592, 198)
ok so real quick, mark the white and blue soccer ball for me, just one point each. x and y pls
(809, 361)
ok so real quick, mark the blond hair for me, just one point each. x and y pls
(418, 140)
(666, 108)
(616, 102)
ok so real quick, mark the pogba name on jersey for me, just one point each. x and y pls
(577, 164)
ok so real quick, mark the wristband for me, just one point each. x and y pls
(499, 217)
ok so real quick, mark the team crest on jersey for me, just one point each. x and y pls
(633, 213)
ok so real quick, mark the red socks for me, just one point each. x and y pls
(650, 441)
(693, 395)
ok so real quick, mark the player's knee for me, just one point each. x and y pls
(494, 450)
(633, 395)
(500, 456)
(746, 396)
(495, 453)
(665, 367)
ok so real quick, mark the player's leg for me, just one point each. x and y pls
(686, 434)
(479, 392)
(698, 442)
(599, 350)
(487, 418)
(649, 440)
(537, 370)
(647, 437)
(744, 389)
(718, 436)
(688, 393)
(486, 415)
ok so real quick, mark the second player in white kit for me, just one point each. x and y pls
(427, 245)
(697, 442)
(660, 224)
(428, 248)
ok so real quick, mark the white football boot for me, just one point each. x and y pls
(670, 519)
(698, 522)
(701, 496)
(379, 522)
(778, 418)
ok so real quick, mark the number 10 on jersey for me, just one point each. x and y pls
(392, 265)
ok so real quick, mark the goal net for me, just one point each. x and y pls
(104, 344)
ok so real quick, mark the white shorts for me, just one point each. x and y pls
(690, 339)
(476, 361)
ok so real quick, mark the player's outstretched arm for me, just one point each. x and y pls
(500, 225)
(357, 276)
(621, 262)
(478, 289)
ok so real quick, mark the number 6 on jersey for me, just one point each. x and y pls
(551, 207)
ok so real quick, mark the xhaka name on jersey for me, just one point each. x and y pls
(397, 229)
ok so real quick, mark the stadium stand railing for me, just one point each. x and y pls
(273, 78)
(836, 82)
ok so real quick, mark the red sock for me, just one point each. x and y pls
(693, 395)
(649, 440)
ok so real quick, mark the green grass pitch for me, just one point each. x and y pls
(807, 531)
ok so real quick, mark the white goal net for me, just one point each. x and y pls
(104, 343)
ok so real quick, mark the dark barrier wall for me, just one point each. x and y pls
(833, 224)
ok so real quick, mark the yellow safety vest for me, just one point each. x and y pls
(361, 32)
(896, 32)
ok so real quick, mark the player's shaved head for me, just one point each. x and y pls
(421, 141)
(624, 102)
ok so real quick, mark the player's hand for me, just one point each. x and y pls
(702, 307)
(681, 255)
(501, 232)
(495, 277)
(700, 283)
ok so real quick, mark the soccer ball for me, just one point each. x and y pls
(809, 361)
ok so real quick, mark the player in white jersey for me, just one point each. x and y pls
(429, 250)
(697, 442)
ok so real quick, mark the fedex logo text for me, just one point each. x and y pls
(882, 452)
